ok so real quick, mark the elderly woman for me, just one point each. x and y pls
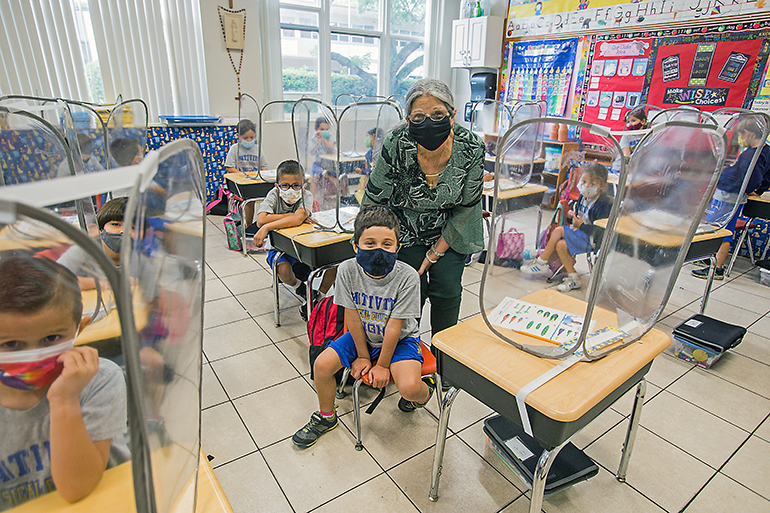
(429, 173)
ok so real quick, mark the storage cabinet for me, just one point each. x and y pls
(477, 42)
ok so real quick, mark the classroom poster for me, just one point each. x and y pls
(539, 71)
(614, 82)
(709, 72)
(563, 17)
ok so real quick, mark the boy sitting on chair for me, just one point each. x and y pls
(568, 241)
(381, 297)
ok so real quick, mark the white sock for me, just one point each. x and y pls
(297, 284)
(540, 261)
(574, 277)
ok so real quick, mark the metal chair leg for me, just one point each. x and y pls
(276, 302)
(357, 413)
(340, 388)
(541, 473)
(738, 248)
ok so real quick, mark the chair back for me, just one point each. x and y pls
(690, 114)
(127, 123)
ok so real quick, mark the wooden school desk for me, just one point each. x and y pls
(250, 186)
(313, 247)
(104, 334)
(115, 494)
(703, 246)
(472, 358)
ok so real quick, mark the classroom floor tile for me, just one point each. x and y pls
(703, 445)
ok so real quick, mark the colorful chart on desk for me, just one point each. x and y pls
(537, 321)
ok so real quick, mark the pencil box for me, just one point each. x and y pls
(703, 340)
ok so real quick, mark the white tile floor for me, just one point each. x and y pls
(703, 446)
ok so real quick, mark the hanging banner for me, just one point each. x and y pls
(562, 17)
(615, 80)
(707, 72)
(539, 71)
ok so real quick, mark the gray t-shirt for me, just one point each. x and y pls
(273, 204)
(396, 295)
(25, 459)
(245, 159)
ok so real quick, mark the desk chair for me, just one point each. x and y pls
(428, 369)
(248, 210)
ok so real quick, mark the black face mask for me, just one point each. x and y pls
(376, 262)
(431, 134)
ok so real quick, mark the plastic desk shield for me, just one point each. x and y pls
(46, 261)
(670, 178)
(730, 193)
(126, 125)
(164, 254)
(526, 326)
(249, 110)
(315, 137)
(490, 119)
(362, 129)
(688, 114)
(32, 149)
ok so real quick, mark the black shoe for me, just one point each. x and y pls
(317, 426)
(410, 406)
(719, 273)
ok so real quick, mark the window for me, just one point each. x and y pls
(359, 47)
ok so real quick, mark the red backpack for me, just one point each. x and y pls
(326, 323)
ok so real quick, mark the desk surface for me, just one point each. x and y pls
(630, 228)
(571, 394)
(115, 494)
(242, 178)
(108, 327)
(512, 162)
(308, 236)
(343, 158)
(519, 192)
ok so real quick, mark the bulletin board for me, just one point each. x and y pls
(538, 70)
(707, 71)
(614, 80)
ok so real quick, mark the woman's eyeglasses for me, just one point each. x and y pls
(286, 186)
(418, 117)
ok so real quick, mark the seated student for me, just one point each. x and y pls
(381, 297)
(245, 155)
(62, 408)
(288, 204)
(568, 241)
(373, 141)
(749, 134)
(125, 152)
(90, 163)
(110, 221)
(323, 181)
(635, 120)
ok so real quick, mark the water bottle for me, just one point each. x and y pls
(478, 10)
(530, 254)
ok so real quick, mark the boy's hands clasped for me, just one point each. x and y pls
(81, 364)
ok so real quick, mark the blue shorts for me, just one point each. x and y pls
(718, 210)
(407, 349)
(577, 241)
(283, 258)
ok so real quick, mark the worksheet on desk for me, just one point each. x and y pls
(536, 320)
(329, 218)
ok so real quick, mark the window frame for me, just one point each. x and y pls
(274, 90)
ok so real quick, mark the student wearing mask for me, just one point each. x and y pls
(245, 154)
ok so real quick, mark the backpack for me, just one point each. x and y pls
(326, 323)
(218, 206)
(233, 231)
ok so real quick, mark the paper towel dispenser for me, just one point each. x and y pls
(483, 86)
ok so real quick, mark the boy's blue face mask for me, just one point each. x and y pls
(376, 262)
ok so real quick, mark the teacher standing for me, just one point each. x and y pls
(429, 173)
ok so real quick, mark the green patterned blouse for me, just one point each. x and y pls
(451, 209)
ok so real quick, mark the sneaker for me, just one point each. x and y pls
(568, 284)
(535, 268)
(317, 426)
(303, 311)
(719, 273)
(301, 291)
(701, 263)
(410, 406)
(469, 260)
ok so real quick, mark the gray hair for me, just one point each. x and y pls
(430, 87)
